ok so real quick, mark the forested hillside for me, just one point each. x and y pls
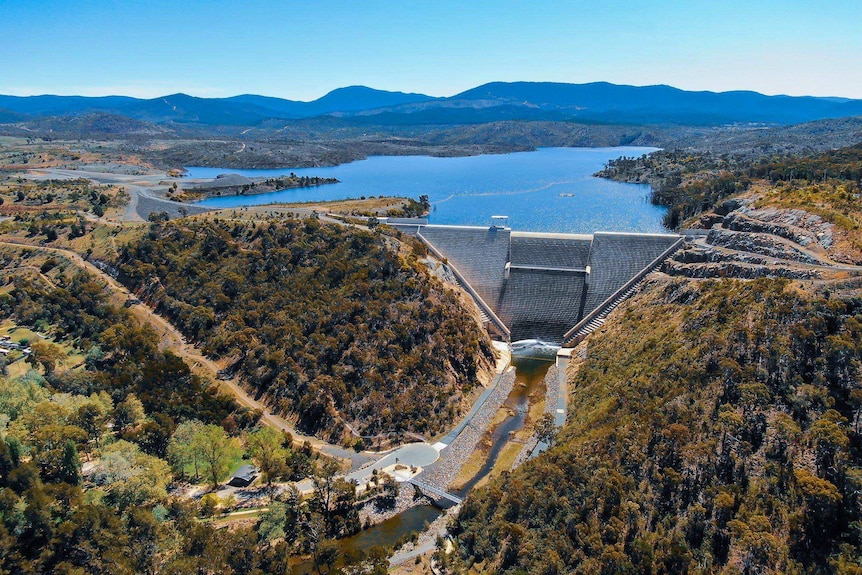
(713, 428)
(121, 356)
(331, 324)
(117, 410)
(691, 183)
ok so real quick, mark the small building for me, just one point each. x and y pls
(499, 222)
(244, 476)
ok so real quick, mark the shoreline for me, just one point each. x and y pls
(496, 151)
(230, 185)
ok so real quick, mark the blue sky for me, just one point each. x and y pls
(301, 50)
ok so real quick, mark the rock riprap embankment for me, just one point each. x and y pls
(443, 471)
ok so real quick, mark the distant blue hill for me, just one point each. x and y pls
(602, 101)
(238, 110)
(598, 102)
(350, 99)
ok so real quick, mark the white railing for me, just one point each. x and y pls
(473, 293)
(570, 336)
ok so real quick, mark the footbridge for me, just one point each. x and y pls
(553, 287)
(430, 489)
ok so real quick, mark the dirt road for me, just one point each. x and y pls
(172, 339)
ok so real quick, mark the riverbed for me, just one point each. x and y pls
(529, 376)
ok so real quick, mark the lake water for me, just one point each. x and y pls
(550, 190)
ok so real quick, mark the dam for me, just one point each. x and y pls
(547, 286)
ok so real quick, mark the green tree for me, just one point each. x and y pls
(546, 429)
(70, 465)
(266, 449)
(282, 520)
(129, 413)
(46, 354)
(183, 450)
(327, 553)
(50, 443)
(217, 452)
(324, 479)
(19, 395)
(91, 419)
(390, 491)
(131, 477)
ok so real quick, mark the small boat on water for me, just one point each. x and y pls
(533, 348)
(566, 195)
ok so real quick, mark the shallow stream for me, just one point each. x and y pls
(530, 374)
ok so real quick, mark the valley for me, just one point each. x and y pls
(706, 417)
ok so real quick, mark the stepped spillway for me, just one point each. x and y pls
(542, 285)
(480, 254)
(615, 258)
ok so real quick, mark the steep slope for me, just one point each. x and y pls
(328, 324)
(716, 430)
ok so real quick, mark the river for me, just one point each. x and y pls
(549, 190)
(529, 378)
(384, 534)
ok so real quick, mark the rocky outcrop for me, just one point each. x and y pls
(735, 269)
(759, 243)
(702, 255)
(799, 226)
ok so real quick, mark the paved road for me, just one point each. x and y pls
(413, 454)
(143, 199)
(141, 189)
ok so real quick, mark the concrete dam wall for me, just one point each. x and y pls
(541, 285)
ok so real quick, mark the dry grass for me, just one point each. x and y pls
(72, 359)
(370, 206)
(105, 241)
(838, 203)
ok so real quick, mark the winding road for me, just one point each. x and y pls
(143, 199)
(172, 339)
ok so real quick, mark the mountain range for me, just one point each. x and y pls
(598, 102)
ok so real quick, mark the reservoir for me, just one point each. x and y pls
(549, 190)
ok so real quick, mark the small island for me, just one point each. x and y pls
(239, 185)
